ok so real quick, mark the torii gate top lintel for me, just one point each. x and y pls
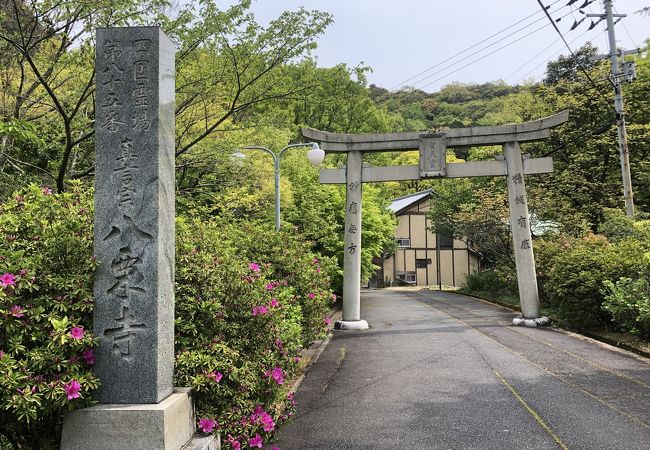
(454, 137)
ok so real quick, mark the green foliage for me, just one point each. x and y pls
(47, 249)
(628, 301)
(576, 278)
(617, 226)
(488, 281)
(226, 348)
(46, 268)
(48, 73)
(570, 68)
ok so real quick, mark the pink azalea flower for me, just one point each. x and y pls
(72, 388)
(327, 320)
(263, 418)
(259, 310)
(17, 311)
(274, 303)
(269, 287)
(311, 296)
(254, 267)
(317, 269)
(256, 441)
(314, 261)
(267, 422)
(77, 333)
(7, 279)
(46, 191)
(216, 376)
(207, 425)
(89, 356)
(333, 297)
(234, 443)
(278, 344)
(277, 374)
(275, 448)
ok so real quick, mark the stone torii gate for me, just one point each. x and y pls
(433, 165)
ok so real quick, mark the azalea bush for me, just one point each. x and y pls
(46, 354)
(248, 300)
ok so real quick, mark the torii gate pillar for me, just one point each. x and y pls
(352, 246)
(522, 239)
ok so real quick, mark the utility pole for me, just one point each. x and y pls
(617, 78)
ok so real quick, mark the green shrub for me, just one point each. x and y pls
(577, 276)
(489, 281)
(628, 301)
(617, 226)
(248, 300)
(45, 305)
(547, 251)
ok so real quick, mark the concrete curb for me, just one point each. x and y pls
(313, 352)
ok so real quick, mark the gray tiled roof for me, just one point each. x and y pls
(404, 202)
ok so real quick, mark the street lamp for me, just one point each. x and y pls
(315, 156)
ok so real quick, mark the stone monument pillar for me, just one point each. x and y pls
(352, 251)
(134, 245)
(134, 215)
(522, 239)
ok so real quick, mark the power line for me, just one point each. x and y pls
(602, 129)
(541, 5)
(548, 58)
(381, 103)
(533, 58)
(483, 48)
(476, 45)
(483, 57)
(626, 30)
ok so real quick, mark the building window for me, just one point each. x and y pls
(406, 277)
(403, 242)
(445, 241)
(422, 263)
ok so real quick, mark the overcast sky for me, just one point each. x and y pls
(401, 39)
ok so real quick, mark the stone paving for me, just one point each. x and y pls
(438, 370)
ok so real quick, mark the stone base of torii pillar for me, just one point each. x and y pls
(531, 323)
(348, 325)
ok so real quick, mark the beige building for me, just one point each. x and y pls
(421, 257)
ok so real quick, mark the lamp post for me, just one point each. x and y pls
(315, 156)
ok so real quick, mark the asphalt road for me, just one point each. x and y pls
(439, 370)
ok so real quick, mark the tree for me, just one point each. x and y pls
(51, 76)
(569, 67)
(226, 63)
